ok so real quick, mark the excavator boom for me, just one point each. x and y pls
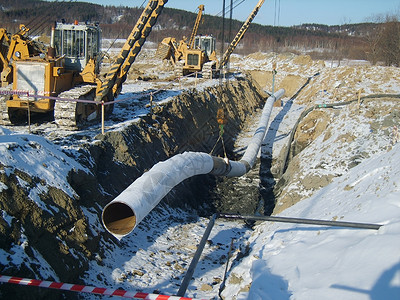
(118, 71)
(240, 34)
(196, 26)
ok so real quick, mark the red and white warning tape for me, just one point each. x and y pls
(87, 289)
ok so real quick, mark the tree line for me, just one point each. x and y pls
(376, 41)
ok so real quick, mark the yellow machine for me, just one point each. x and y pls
(14, 48)
(48, 80)
(171, 50)
(200, 56)
(187, 57)
(195, 58)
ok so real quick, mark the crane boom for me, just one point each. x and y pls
(196, 26)
(118, 71)
(240, 34)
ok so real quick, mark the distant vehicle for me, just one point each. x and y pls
(200, 56)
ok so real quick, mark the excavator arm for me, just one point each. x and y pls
(240, 35)
(116, 76)
(13, 47)
(4, 45)
(196, 26)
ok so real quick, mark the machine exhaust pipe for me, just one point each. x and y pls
(128, 209)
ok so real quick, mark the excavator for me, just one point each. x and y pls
(174, 51)
(201, 55)
(38, 79)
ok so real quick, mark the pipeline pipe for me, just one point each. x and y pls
(123, 213)
(249, 158)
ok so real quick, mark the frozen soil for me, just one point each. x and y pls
(54, 183)
(51, 203)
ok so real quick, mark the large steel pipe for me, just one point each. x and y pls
(249, 158)
(122, 214)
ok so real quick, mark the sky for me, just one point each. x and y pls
(286, 12)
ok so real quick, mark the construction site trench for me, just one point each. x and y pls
(56, 229)
(187, 122)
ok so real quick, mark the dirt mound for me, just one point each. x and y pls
(304, 60)
(260, 55)
(369, 129)
(309, 129)
(291, 84)
(55, 235)
(263, 78)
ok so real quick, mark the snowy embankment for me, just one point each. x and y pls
(317, 262)
(39, 158)
(274, 261)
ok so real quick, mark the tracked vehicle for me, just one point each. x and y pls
(49, 80)
(200, 56)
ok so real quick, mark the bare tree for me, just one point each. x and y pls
(389, 42)
(384, 41)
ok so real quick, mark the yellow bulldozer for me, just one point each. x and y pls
(199, 55)
(53, 79)
(188, 56)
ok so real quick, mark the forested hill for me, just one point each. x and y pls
(39, 15)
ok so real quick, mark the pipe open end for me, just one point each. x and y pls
(119, 219)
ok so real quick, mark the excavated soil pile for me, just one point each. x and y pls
(322, 133)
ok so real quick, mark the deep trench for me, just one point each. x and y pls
(115, 159)
(187, 123)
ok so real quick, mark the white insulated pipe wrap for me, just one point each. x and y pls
(248, 160)
(147, 191)
(122, 214)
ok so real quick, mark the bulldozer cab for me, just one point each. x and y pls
(205, 43)
(204, 46)
(77, 43)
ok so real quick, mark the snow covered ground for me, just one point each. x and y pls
(281, 261)
(271, 260)
(318, 262)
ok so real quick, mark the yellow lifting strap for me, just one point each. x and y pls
(222, 120)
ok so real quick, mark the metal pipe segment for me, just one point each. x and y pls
(248, 160)
(123, 213)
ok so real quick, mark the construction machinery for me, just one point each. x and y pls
(59, 79)
(16, 47)
(175, 51)
(184, 54)
(213, 67)
(196, 26)
(201, 55)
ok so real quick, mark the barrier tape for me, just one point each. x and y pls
(88, 289)
(42, 94)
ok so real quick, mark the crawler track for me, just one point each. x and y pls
(4, 117)
(178, 71)
(209, 70)
(72, 114)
